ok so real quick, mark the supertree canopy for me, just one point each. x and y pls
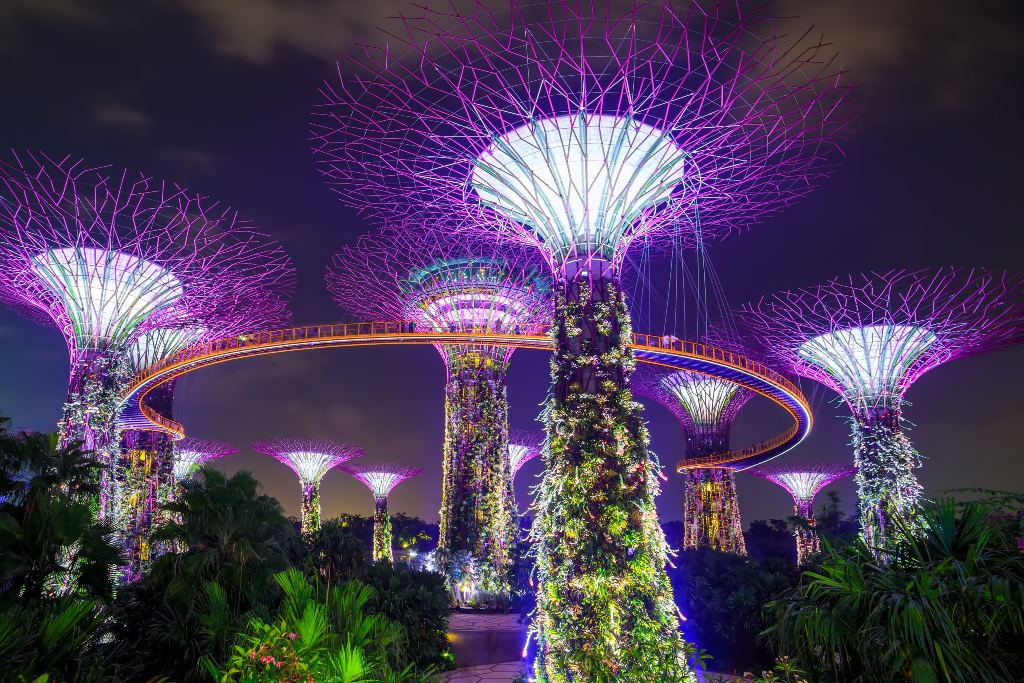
(311, 459)
(580, 135)
(190, 454)
(803, 482)
(381, 478)
(407, 273)
(106, 256)
(869, 337)
(706, 408)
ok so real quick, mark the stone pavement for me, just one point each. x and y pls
(469, 621)
(486, 673)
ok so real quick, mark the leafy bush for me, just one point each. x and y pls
(946, 605)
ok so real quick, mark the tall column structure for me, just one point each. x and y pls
(405, 273)
(706, 408)
(311, 459)
(581, 129)
(803, 482)
(869, 337)
(381, 479)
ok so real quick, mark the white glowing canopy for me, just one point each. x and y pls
(579, 181)
(703, 398)
(869, 362)
(519, 455)
(154, 345)
(105, 294)
(186, 460)
(311, 467)
(804, 486)
(381, 483)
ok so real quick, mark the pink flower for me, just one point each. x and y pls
(293, 636)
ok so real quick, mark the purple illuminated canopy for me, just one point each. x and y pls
(381, 478)
(191, 453)
(803, 482)
(311, 459)
(523, 446)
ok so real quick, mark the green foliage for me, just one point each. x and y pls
(723, 596)
(309, 639)
(946, 605)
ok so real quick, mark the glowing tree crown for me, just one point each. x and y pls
(191, 453)
(699, 402)
(870, 336)
(455, 285)
(381, 478)
(105, 255)
(523, 446)
(580, 134)
(803, 482)
(311, 459)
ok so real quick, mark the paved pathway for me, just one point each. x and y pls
(487, 673)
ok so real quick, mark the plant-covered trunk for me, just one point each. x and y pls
(887, 487)
(90, 415)
(474, 526)
(381, 531)
(605, 610)
(808, 543)
(310, 508)
(711, 511)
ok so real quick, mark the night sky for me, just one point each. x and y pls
(216, 95)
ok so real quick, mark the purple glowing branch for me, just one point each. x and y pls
(105, 255)
(523, 446)
(803, 482)
(190, 453)
(579, 135)
(869, 337)
(381, 478)
(457, 285)
(311, 459)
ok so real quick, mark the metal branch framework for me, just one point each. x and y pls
(192, 453)
(803, 482)
(523, 446)
(381, 478)
(869, 337)
(580, 132)
(310, 459)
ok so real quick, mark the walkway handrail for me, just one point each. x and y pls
(663, 350)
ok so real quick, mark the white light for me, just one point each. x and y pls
(106, 294)
(155, 345)
(185, 461)
(380, 483)
(804, 485)
(703, 398)
(868, 362)
(579, 181)
(311, 467)
(518, 455)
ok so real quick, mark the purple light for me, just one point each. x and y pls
(191, 453)
(381, 478)
(310, 459)
(523, 446)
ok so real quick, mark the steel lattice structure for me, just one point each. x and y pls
(109, 257)
(706, 408)
(406, 273)
(803, 482)
(580, 135)
(869, 337)
(310, 459)
(381, 478)
(190, 454)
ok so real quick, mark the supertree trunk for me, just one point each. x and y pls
(711, 512)
(381, 531)
(808, 543)
(887, 487)
(474, 515)
(604, 604)
(310, 508)
(89, 417)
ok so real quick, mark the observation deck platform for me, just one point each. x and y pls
(667, 352)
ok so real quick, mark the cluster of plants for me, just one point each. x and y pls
(243, 597)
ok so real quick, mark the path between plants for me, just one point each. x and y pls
(487, 647)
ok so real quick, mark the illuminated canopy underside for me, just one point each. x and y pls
(519, 455)
(703, 398)
(869, 362)
(804, 485)
(579, 181)
(381, 483)
(160, 343)
(311, 467)
(105, 294)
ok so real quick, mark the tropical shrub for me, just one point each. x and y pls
(945, 605)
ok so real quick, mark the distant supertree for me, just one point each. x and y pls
(580, 135)
(191, 454)
(803, 483)
(405, 273)
(381, 478)
(706, 408)
(311, 459)
(523, 446)
(106, 256)
(869, 337)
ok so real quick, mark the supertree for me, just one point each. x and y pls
(706, 408)
(311, 459)
(405, 273)
(580, 135)
(107, 256)
(523, 446)
(869, 337)
(190, 454)
(803, 482)
(381, 478)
